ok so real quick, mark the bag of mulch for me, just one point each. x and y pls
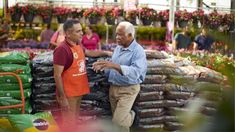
(161, 63)
(37, 79)
(47, 96)
(178, 95)
(152, 87)
(145, 113)
(43, 85)
(43, 71)
(180, 80)
(25, 78)
(174, 110)
(94, 111)
(28, 109)
(45, 59)
(157, 128)
(14, 86)
(154, 54)
(95, 96)
(155, 79)
(14, 57)
(43, 90)
(93, 102)
(173, 126)
(40, 122)
(175, 103)
(150, 104)
(149, 96)
(15, 93)
(152, 120)
(175, 87)
(208, 111)
(15, 68)
(45, 104)
(211, 77)
(163, 71)
(171, 118)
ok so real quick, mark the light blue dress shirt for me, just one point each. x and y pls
(133, 65)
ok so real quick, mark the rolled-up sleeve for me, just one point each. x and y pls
(137, 69)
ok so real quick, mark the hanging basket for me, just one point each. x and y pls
(62, 19)
(47, 20)
(146, 22)
(132, 20)
(183, 24)
(28, 18)
(163, 23)
(16, 17)
(110, 21)
(93, 20)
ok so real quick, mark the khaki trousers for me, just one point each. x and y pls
(122, 99)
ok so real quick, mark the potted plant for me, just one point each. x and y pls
(182, 17)
(198, 15)
(94, 14)
(131, 16)
(214, 20)
(16, 12)
(46, 13)
(163, 17)
(111, 15)
(61, 13)
(29, 11)
(147, 15)
(77, 12)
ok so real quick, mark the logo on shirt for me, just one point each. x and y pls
(81, 66)
(75, 55)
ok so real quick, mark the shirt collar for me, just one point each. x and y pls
(130, 47)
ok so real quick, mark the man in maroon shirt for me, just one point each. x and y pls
(68, 60)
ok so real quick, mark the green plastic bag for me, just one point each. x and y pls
(25, 78)
(14, 57)
(15, 93)
(28, 109)
(13, 86)
(15, 68)
(40, 122)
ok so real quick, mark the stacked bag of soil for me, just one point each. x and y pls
(18, 63)
(169, 85)
(43, 89)
(96, 104)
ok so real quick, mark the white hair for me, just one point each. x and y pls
(129, 28)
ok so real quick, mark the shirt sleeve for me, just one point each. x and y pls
(137, 69)
(54, 37)
(59, 56)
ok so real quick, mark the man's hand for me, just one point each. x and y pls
(100, 65)
(63, 102)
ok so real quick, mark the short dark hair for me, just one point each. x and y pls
(48, 26)
(69, 24)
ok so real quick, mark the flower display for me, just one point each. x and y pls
(61, 11)
(214, 19)
(16, 9)
(94, 12)
(29, 9)
(163, 15)
(112, 13)
(45, 11)
(197, 15)
(147, 13)
(77, 12)
(228, 19)
(183, 15)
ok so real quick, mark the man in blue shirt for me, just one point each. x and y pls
(125, 73)
(182, 40)
(203, 41)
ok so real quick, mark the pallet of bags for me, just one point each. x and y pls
(44, 88)
(95, 105)
(18, 63)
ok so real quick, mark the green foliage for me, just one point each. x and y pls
(27, 34)
(150, 33)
